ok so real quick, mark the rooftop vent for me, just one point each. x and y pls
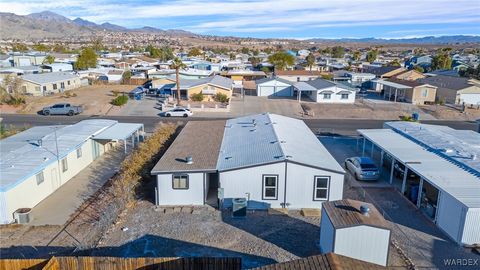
(288, 156)
(365, 210)
(189, 160)
(227, 158)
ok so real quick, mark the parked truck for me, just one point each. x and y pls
(62, 108)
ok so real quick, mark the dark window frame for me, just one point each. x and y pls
(64, 164)
(329, 178)
(276, 187)
(180, 175)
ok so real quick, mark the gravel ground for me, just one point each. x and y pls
(259, 239)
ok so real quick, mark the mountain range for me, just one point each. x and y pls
(48, 24)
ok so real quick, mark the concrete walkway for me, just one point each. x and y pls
(57, 208)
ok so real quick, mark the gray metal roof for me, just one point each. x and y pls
(50, 77)
(320, 83)
(268, 138)
(264, 80)
(303, 86)
(448, 82)
(27, 153)
(119, 131)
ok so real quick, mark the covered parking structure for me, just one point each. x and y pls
(123, 132)
(445, 192)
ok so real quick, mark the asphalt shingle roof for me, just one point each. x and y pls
(449, 82)
(51, 77)
(346, 213)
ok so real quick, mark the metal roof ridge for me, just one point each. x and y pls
(276, 136)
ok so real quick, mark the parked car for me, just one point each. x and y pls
(62, 108)
(183, 112)
(363, 168)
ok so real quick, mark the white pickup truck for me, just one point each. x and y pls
(62, 108)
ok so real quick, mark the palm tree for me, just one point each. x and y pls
(177, 64)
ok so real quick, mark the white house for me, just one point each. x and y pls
(38, 161)
(56, 67)
(359, 78)
(271, 160)
(323, 91)
(274, 87)
(355, 229)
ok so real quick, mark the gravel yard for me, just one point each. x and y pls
(259, 239)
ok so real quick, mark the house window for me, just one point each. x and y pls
(62, 85)
(298, 79)
(320, 190)
(344, 96)
(327, 96)
(424, 93)
(54, 86)
(37, 88)
(44, 88)
(79, 152)
(180, 181)
(64, 165)
(270, 187)
(68, 82)
(40, 178)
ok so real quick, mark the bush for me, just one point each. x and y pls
(16, 101)
(115, 93)
(219, 97)
(197, 97)
(120, 100)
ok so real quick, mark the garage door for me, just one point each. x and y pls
(266, 91)
(283, 91)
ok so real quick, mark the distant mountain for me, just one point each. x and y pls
(420, 40)
(47, 24)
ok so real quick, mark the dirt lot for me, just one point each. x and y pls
(95, 99)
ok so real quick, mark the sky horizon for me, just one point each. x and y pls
(299, 19)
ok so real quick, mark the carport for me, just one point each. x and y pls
(448, 194)
(303, 87)
(122, 132)
(394, 89)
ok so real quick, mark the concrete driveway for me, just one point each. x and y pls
(57, 208)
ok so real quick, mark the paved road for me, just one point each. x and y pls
(334, 126)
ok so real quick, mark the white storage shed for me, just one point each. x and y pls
(274, 87)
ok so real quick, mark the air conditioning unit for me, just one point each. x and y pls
(239, 208)
(22, 215)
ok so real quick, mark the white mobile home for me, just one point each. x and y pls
(355, 229)
(271, 160)
(38, 161)
(323, 91)
(437, 169)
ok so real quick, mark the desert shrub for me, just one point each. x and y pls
(220, 97)
(197, 97)
(10, 130)
(16, 101)
(115, 93)
(407, 118)
(120, 100)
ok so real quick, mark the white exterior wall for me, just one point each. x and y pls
(334, 98)
(468, 99)
(450, 216)
(300, 186)
(471, 229)
(274, 88)
(363, 243)
(27, 194)
(327, 234)
(299, 191)
(191, 196)
(237, 183)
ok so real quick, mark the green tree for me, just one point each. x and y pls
(245, 50)
(165, 54)
(97, 45)
(254, 61)
(126, 76)
(177, 64)
(418, 68)
(194, 52)
(372, 55)
(281, 60)
(86, 59)
(356, 55)
(470, 72)
(338, 52)
(49, 59)
(154, 52)
(59, 48)
(11, 90)
(41, 47)
(442, 60)
(310, 60)
(268, 50)
(19, 47)
(395, 63)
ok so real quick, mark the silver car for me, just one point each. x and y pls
(182, 112)
(363, 168)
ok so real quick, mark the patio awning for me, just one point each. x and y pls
(344, 92)
(303, 86)
(119, 131)
(326, 92)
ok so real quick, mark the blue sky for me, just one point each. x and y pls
(276, 18)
